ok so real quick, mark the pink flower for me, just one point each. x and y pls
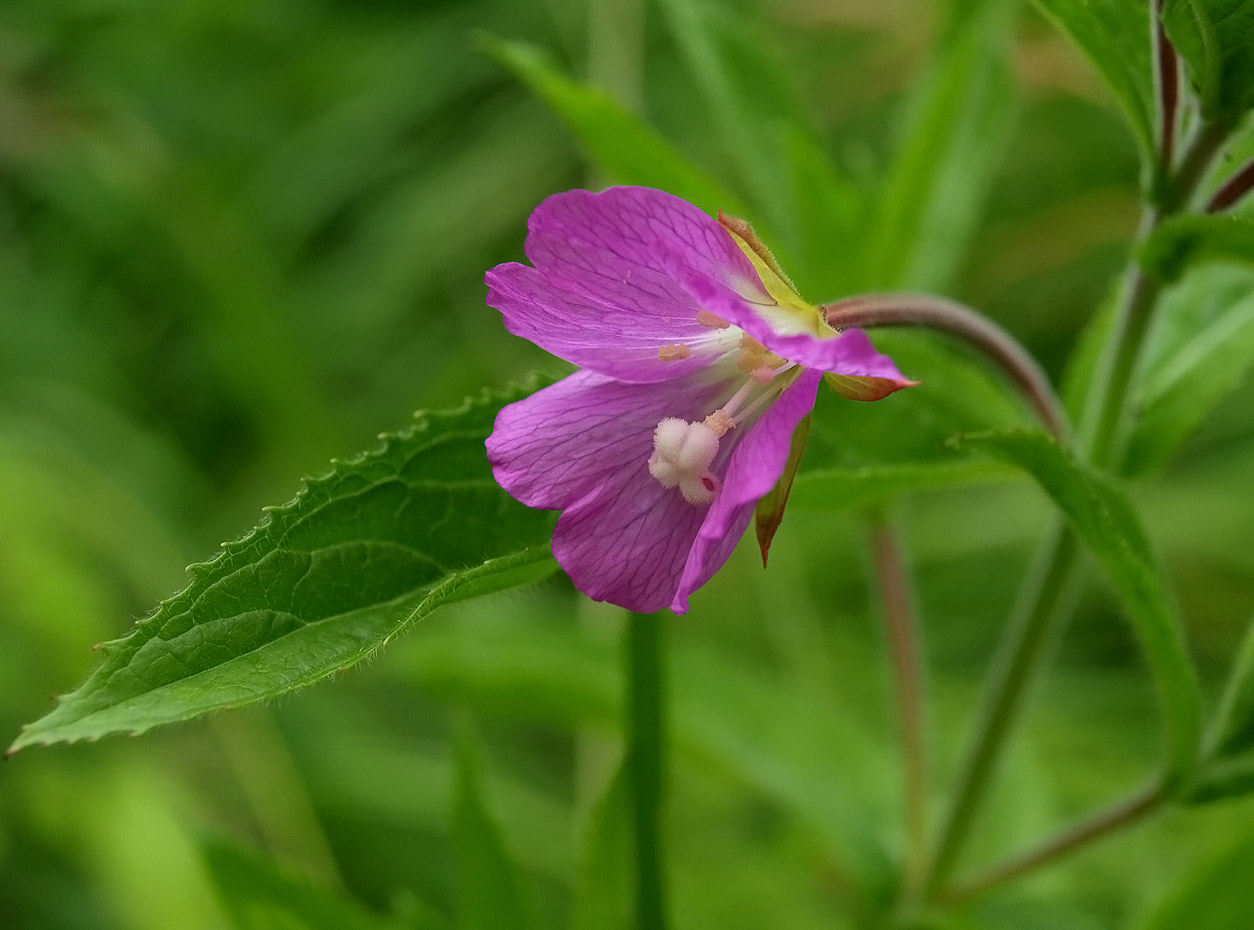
(698, 360)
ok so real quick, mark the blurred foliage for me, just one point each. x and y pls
(239, 239)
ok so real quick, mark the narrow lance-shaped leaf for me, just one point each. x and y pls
(1216, 40)
(1235, 722)
(746, 93)
(490, 884)
(1184, 240)
(602, 891)
(360, 554)
(1203, 345)
(1115, 36)
(958, 123)
(615, 140)
(1108, 525)
(1228, 769)
(260, 896)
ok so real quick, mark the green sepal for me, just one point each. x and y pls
(769, 513)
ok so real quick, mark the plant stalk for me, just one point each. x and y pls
(1233, 190)
(902, 633)
(646, 762)
(1119, 815)
(949, 316)
(1046, 600)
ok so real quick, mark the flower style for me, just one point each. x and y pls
(697, 362)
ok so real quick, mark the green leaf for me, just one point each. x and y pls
(491, 891)
(1212, 896)
(957, 127)
(1114, 36)
(322, 582)
(261, 896)
(958, 393)
(1234, 730)
(1085, 358)
(1201, 349)
(617, 142)
(1215, 40)
(1184, 240)
(746, 94)
(829, 210)
(845, 488)
(1108, 525)
(602, 893)
(1228, 770)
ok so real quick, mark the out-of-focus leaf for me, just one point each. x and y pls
(957, 393)
(1212, 896)
(490, 886)
(1184, 240)
(1215, 38)
(1202, 348)
(603, 882)
(1114, 36)
(1077, 380)
(1228, 770)
(824, 768)
(617, 142)
(843, 488)
(1234, 731)
(956, 130)
(359, 555)
(746, 95)
(1108, 525)
(829, 211)
(261, 896)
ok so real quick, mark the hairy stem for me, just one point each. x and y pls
(646, 756)
(902, 633)
(1117, 816)
(951, 317)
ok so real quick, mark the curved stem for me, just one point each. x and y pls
(646, 740)
(1233, 190)
(1119, 815)
(1045, 601)
(1047, 595)
(951, 317)
(902, 632)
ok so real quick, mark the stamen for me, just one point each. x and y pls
(712, 320)
(720, 422)
(673, 353)
(753, 356)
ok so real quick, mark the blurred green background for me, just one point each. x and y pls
(237, 239)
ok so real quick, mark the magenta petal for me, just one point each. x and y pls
(629, 542)
(604, 293)
(755, 466)
(850, 353)
(620, 246)
(553, 448)
(615, 340)
(583, 445)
